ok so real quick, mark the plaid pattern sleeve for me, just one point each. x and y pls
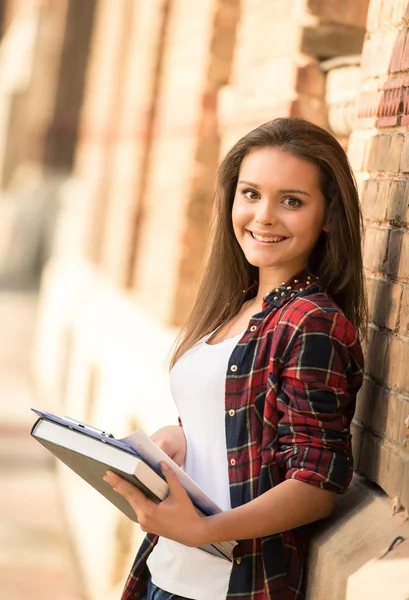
(318, 379)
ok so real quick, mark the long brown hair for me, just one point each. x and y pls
(336, 258)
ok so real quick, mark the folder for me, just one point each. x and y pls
(90, 452)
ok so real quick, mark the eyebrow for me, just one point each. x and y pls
(289, 191)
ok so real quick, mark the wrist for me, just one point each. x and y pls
(201, 534)
(205, 532)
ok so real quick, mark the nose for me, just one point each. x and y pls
(266, 214)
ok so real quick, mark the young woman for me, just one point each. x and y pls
(264, 375)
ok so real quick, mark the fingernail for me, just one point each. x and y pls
(164, 467)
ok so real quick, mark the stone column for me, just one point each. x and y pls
(42, 63)
(184, 154)
(98, 131)
(131, 147)
(43, 115)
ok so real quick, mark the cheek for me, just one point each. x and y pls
(308, 225)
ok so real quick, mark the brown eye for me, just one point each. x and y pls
(250, 194)
(292, 202)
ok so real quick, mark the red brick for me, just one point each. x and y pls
(381, 464)
(394, 252)
(372, 406)
(369, 57)
(398, 12)
(375, 249)
(398, 50)
(375, 197)
(371, 286)
(373, 459)
(364, 401)
(396, 211)
(404, 312)
(357, 433)
(403, 271)
(391, 478)
(380, 410)
(376, 353)
(391, 162)
(405, 55)
(368, 104)
(386, 12)
(377, 51)
(374, 15)
(394, 294)
(376, 150)
(356, 150)
(405, 485)
(404, 164)
(385, 300)
(397, 361)
(398, 412)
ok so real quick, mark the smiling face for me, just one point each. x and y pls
(278, 211)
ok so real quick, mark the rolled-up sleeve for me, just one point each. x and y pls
(321, 373)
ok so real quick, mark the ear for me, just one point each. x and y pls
(326, 228)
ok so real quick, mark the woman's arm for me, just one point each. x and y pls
(288, 505)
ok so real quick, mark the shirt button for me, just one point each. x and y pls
(232, 462)
(233, 368)
(253, 328)
(238, 561)
(231, 412)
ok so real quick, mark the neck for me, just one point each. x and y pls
(269, 280)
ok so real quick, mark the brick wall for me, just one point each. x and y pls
(44, 57)
(184, 154)
(170, 85)
(98, 131)
(280, 75)
(131, 153)
(378, 152)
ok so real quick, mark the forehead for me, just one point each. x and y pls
(273, 166)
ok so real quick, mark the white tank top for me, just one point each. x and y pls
(197, 383)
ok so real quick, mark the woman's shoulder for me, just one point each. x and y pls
(314, 312)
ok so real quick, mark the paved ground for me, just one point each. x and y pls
(36, 558)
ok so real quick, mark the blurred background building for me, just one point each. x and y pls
(114, 115)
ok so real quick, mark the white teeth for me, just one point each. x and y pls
(261, 238)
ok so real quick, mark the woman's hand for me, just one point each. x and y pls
(175, 518)
(172, 441)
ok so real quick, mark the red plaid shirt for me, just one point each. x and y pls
(291, 385)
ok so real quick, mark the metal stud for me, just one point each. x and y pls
(288, 287)
(292, 294)
(296, 280)
(301, 289)
(275, 297)
(283, 293)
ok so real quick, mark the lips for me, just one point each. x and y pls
(267, 239)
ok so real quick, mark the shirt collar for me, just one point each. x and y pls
(291, 288)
